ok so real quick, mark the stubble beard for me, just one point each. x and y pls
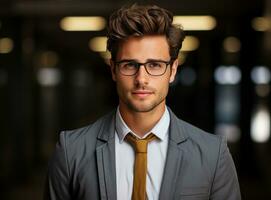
(148, 107)
(138, 105)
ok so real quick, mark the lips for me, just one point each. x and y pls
(142, 93)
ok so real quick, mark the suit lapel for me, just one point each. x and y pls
(105, 152)
(174, 158)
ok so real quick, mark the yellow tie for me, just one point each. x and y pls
(140, 167)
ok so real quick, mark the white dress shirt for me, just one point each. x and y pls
(125, 156)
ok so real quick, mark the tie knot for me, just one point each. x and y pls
(140, 145)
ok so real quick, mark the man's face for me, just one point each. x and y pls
(143, 92)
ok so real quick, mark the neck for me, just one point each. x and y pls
(141, 122)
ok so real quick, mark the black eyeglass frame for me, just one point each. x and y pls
(138, 64)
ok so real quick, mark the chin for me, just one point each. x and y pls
(142, 108)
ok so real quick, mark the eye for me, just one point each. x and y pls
(130, 65)
(154, 65)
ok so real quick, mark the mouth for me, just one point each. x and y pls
(142, 93)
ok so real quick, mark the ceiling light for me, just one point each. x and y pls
(232, 44)
(228, 75)
(6, 45)
(106, 55)
(190, 43)
(261, 24)
(182, 57)
(260, 75)
(94, 23)
(260, 125)
(195, 23)
(49, 76)
(98, 44)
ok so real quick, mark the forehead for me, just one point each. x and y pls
(143, 48)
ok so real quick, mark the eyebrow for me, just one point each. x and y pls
(148, 60)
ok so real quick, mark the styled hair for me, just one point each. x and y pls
(140, 20)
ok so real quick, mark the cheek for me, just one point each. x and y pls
(163, 86)
(122, 84)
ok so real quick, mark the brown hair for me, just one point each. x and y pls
(140, 20)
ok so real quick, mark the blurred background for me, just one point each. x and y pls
(54, 76)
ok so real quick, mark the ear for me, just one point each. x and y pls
(174, 68)
(113, 69)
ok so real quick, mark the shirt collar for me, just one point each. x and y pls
(160, 129)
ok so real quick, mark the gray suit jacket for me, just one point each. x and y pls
(198, 165)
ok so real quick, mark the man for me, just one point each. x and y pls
(142, 150)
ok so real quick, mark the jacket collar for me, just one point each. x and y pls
(107, 127)
(177, 132)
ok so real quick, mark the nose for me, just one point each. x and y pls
(141, 76)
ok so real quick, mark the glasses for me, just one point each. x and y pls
(152, 67)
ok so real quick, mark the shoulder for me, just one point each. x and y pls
(208, 143)
(201, 148)
(77, 147)
(84, 139)
(204, 149)
(200, 136)
(197, 142)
